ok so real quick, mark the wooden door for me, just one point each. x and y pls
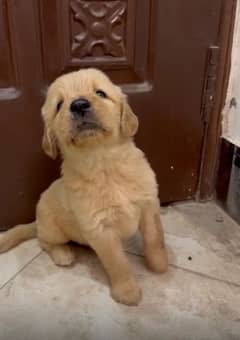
(155, 49)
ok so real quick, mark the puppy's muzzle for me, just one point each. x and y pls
(80, 108)
(83, 115)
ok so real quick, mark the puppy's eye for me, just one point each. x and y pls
(59, 105)
(101, 93)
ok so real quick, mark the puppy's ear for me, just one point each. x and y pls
(49, 141)
(129, 121)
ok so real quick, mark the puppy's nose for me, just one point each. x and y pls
(80, 107)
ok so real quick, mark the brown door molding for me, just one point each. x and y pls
(212, 140)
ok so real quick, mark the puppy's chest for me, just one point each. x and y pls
(106, 194)
(108, 190)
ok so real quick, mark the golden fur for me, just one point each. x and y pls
(107, 189)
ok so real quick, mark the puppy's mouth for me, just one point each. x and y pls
(87, 126)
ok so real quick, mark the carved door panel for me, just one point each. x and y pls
(156, 50)
(101, 34)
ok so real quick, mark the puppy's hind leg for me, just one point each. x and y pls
(54, 242)
(153, 238)
(61, 254)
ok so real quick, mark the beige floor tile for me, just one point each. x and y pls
(47, 302)
(13, 261)
(200, 238)
(193, 301)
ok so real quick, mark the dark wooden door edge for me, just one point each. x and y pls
(211, 143)
(228, 179)
(224, 171)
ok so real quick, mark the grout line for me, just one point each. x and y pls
(137, 255)
(193, 272)
(206, 276)
(16, 274)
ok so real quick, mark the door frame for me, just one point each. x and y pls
(212, 135)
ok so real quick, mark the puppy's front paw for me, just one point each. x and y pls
(127, 293)
(157, 259)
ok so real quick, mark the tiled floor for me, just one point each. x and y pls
(199, 297)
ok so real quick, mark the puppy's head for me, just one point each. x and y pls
(85, 108)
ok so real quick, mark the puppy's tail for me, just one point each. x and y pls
(16, 235)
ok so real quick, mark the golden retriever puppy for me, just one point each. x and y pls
(107, 189)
